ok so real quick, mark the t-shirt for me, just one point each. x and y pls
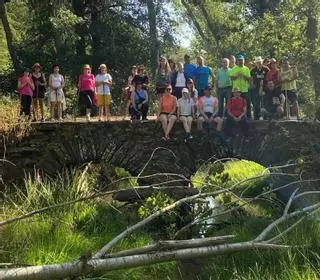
(272, 98)
(272, 75)
(189, 70)
(141, 79)
(223, 78)
(167, 103)
(185, 106)
(208, 104)
(181, 80)
(259, 75)
(86, 82)
(103, 89)
(140, 96)
(240, 83)
(202, 74)
(288, 75)
(26, 90)
(236, 105)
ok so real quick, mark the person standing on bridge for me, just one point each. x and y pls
(86, 86)
(163, 75)
(25, 87)
(56, 84)
(39, 82)
(188, 67)
(167, 111)
(240, 76)
(201, 76)
(103, 82)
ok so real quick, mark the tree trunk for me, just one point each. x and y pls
(312, 30)
(153, 33)
(9, 36)
(79, 9)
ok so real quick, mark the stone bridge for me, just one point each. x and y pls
(52, 146)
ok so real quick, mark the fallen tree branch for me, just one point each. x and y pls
(77, 268)
(173, 244)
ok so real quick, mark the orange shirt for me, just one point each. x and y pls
(167, 103)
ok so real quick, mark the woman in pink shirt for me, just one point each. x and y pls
(26, 87)
(87, 86)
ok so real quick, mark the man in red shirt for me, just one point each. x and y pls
(237, 110)
(273, 74)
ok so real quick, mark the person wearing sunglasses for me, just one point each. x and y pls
(86, 86)
(167, 111)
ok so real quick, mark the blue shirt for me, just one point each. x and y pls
(223, 78)
(202, 75)
(189, 70)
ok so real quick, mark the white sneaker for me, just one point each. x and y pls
(261, 119)
(88, 118)
(61, 120)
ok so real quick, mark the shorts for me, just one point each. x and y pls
(56, 95)
(39, 94)
(292, 95)
(87, 98)
(104, 100)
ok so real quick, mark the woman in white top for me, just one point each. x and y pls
(186, 110)
(103, 83)
(56, 84)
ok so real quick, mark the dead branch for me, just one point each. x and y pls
(76, 268)
(173, 244)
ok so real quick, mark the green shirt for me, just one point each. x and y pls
(223, 78)
(240, 83)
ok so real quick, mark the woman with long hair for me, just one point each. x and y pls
(39, 82)
(162, 75)
(86, 86)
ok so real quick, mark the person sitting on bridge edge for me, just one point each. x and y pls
(103, 82)
(237, 109)
(86, 86)
(167, 111)
(240, 76)
(274, 101)
(139, 103)
(208, 108)
(186, 108)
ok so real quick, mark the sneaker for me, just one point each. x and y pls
(260, 118)
(61, 120)
(190, 137)
(52, 120)
(88, 118)
(42, 119)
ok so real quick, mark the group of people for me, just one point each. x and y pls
(32, 87)
(185, 93)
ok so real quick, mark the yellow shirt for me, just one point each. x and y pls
(288, 75)
(240, 83)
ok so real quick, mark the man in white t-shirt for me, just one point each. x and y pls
(208, 107)
(103, 83)
(186, 108)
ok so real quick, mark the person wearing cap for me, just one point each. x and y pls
(274, 102)
(139, 102)
(240, 76)
(237, 109)
(273, 73)
(259, 82)
(86, 86)
(25, 88)
(188, 67)
(103, 82)
(56, 84)
(201, 76)
(208, 108)
(39, 82)
(288, 75)
(167, 111)
(163, 75)
(186, 108)
(224, 85)
(178, 81)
